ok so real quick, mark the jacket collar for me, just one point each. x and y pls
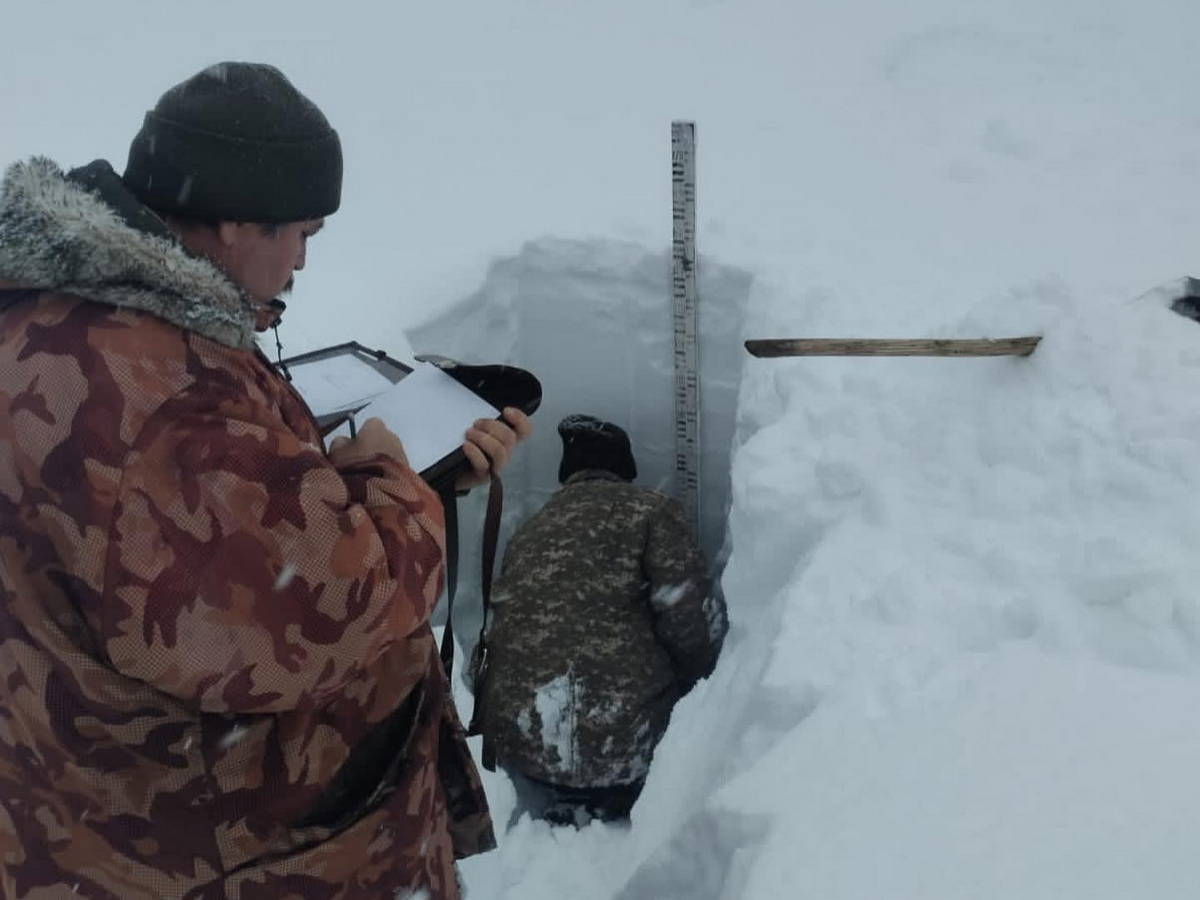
(85, 234)
(592, 475)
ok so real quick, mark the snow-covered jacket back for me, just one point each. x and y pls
(602, 618)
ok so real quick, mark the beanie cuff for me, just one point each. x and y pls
(177, 168)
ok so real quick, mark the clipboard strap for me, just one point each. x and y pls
(491, 535)
(450, 506)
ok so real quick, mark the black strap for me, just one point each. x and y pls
(450, 505)
(491, 535)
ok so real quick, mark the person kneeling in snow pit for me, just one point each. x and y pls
(601, 619)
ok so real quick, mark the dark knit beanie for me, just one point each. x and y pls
(589, 443)
(237, 142)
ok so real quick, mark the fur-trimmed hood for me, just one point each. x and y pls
(57, 232)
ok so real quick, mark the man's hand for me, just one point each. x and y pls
(489, 445)
(373, 439)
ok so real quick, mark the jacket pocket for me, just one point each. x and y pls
(371, 770)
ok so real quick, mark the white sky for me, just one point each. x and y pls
(837, 141)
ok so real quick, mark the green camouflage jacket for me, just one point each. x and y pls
(217, 676)
(601, 619)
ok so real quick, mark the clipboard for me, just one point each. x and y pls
(347, 383)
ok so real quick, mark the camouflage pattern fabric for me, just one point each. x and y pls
(601, 619)
(217, 676)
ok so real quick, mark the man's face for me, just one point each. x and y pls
(261, 259)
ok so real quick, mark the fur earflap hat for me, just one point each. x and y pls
(237, 142)
(590, 443)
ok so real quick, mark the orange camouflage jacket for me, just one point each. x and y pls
(217, 675)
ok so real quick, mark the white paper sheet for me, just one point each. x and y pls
(337, 383)
(430, 412)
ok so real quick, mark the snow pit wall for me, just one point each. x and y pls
(592, 319)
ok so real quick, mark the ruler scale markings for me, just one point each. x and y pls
(685, 313)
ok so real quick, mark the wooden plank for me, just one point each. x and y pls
(772, 347)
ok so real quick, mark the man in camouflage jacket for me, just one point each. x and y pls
(217, 676)
(601, 619)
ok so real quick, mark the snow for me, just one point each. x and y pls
(965, 629)
(285, 576)
(665, 596)
(556, 710)
(605, 351)
(233, 736)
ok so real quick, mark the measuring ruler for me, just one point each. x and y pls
(685, 318)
